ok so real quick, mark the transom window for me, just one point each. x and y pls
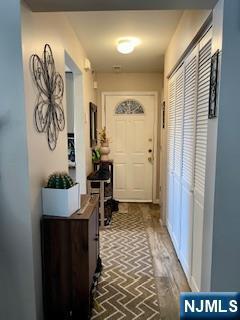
(129, 106)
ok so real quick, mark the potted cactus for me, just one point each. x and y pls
(60, 196)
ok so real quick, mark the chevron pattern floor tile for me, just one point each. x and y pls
(127, 289)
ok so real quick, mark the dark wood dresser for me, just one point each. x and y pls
(70, 251)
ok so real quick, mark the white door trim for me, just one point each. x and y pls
(141, 93)
(80, 149)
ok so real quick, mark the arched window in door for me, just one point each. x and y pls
(129, 106)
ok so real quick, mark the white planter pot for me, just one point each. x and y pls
(61, 202)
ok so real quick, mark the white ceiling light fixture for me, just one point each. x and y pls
(127, 45)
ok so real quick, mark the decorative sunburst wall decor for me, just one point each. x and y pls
(48, 112)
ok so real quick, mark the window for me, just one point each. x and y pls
(129, 107)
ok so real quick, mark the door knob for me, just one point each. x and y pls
(150, 159)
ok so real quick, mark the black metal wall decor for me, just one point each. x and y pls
(48, 113)
(212, 112)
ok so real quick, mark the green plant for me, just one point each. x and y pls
(96, 155)
(60, 180)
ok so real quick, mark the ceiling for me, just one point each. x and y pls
(99, 32)
(103, 5)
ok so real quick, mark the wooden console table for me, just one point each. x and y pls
(70, 251)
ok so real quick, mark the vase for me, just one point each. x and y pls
(105, 150)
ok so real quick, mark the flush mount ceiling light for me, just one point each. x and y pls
(126, 46)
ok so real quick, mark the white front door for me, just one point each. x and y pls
(130, 125)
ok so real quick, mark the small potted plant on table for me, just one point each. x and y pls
(104, 144)
(61, 196)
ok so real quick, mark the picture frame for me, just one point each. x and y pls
(163, 114)
(93, 124)
(213, 90)
(71, 150)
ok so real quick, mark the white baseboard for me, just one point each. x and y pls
(185, 268)
(156, 201)
(136, 201)
(161, 222)
(193, 285)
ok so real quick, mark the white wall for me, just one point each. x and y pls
(224, 212)
(211, 165)
(69, 101)
(17, 291)
(127, 82)
(132, 82)
(221, 246)
(37, 30)
(188, 26)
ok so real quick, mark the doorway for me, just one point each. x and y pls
(130, 122)
(70, 123)
(75, 123)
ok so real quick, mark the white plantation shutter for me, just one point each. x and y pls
(171, 123)
(189, 119)
(179, 107)
(202, 115)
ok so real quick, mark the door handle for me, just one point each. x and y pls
(150, 159)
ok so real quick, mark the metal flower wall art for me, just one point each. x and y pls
(48, 112)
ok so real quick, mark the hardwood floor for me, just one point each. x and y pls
(169, 276)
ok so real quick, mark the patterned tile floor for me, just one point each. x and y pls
(127, 288)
